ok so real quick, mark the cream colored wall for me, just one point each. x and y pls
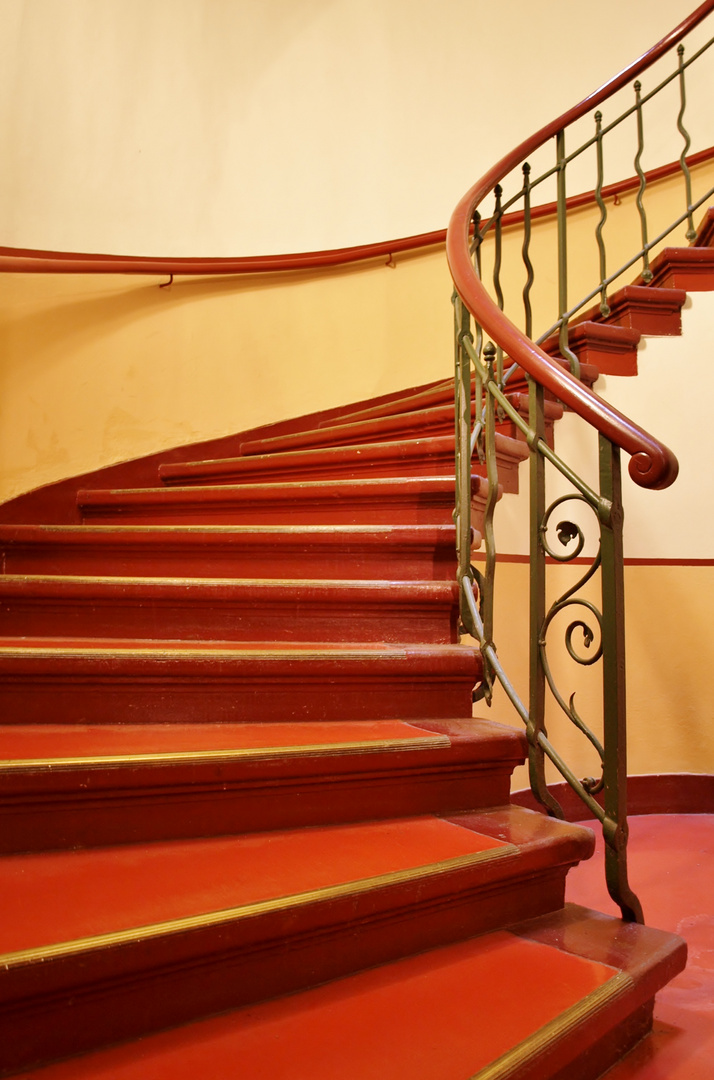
(166, 126)
(95, 370)
(223, 127)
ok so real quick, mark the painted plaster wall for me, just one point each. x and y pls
(98, 370)
(235, 128)
(117, 119)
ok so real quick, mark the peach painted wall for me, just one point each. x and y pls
(170, 127)
(235, 128)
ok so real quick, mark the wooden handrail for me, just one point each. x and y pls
(40, 261)
(29, 261)
(652, 464)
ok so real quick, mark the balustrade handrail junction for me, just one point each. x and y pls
(652, 464)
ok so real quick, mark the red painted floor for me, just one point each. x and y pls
(672, 870)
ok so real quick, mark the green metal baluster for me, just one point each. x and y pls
(604, 306)
(646, 272)
(691, 231)
(614, 698)
(536, 702)
(526, 249)
(563, 347)
(498, 241)
(489, 355)
(478, 240)
(462, 389)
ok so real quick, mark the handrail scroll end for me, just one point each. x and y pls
(656, 470)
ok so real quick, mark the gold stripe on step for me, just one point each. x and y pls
(137, 934)
(199, 757)
(510, 1063)
(171, 649)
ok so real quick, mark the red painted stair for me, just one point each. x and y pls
(373, 552)
(239, 771)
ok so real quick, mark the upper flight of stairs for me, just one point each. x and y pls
(249, 825)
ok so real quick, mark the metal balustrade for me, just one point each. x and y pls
(489, 350)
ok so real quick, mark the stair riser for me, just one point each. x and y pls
(85, 808)
(337, 619)
(153, 698)
(404, 559)
(428, 510)
(120, 994)
(650, 321)
(691, 269)
(611, 348)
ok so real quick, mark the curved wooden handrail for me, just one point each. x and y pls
(27, 261)
(652, 464)
(40, 261)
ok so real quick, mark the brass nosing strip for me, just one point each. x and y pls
(237, 529)
(116, 581)
(135, 935)
(172, 651)
(260, 753)
(510, 1063)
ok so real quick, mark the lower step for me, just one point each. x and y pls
(408, 500)
(228, 609)
(372, 552)
(122, 682)
(560, 996)
(152, 935)
(77, 786)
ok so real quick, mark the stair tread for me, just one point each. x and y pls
(106, 890)
(446, 1013)
(87, 743)
(84, 785)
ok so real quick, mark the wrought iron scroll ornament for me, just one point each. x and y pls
(567, 532)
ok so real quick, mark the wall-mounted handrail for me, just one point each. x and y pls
(15, 260)
(28, 261)
(652, 464)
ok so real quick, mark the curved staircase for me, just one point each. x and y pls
(250, 826)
